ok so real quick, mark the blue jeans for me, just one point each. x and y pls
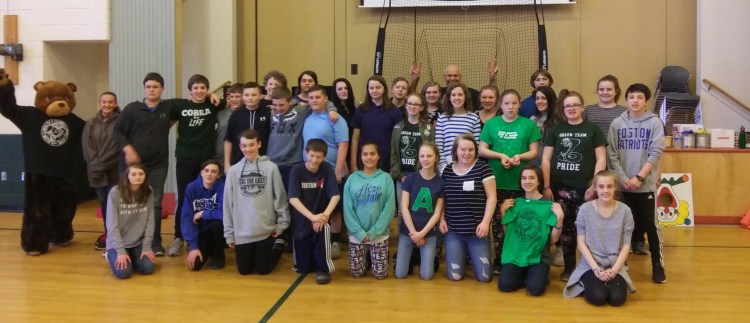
(143, 265)
(535, 277)
(427, 254)
(456, 247)
(156, 179)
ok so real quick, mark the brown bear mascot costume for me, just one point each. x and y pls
(51, 135)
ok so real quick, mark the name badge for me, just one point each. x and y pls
(468, 185)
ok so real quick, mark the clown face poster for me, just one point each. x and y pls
(674, 200)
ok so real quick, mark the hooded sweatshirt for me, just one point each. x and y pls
(100, 150)
(285, 140)
(369, 206)
(242, 119)
(198, 198)
(632, 143)
(255, 203)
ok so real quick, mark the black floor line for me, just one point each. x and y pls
(283, 298)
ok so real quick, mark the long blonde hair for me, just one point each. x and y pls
(434, 149)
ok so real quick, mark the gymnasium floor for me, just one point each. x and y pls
(708, 280)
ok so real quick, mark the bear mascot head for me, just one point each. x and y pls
(54, 98)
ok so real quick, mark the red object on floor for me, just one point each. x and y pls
(167, 206)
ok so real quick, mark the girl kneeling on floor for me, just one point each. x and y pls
(130, 224)
(604, 228)
(531, 224)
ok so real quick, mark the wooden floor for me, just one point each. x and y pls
(708, 271)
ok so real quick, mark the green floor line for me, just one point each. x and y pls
(283, 298)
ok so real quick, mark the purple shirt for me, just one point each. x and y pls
(376, 125)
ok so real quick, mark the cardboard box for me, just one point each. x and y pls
(680, 127)
(722, 138)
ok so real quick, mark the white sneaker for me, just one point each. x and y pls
(558, 261)
(335, 250)
(176, 248)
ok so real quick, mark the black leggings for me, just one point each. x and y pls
(597, 292)
(259, 257)
(570, 199)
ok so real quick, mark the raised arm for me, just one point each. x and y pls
(415, 72)
(492, 71)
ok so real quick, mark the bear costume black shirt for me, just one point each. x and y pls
(50, 143)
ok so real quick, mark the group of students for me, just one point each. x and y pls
(522, 174)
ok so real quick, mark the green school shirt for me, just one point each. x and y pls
(529, 224)
(510, 138)
(574, 158)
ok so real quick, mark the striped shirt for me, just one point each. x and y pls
(602, 117)
(465, 199)
(448, 128)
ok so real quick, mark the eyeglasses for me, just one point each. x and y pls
(414, 104)
(572, 106)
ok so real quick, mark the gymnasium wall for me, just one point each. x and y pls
(208, 42)
(632, 39)
(722, 58)
(42, 21)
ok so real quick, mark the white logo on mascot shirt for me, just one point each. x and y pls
(55, 132)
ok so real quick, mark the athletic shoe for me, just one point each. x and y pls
(657, 275)
(101, 242)
(217, 262)
(558, 261)
(62, 244)
(279, 245)
(335, 250)
(176, 248)
(158, 251)
(640, 248)
(565, 276)
(322, 278)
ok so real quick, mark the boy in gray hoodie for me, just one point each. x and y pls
(636, 142)
(256, 210)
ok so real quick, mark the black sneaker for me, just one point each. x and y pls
(158, 251)
(323, 278)
(640, 248)
(279, 245)
(565, 275)
(217, 263)
(657, 275)
(62, 244)
(101, 242)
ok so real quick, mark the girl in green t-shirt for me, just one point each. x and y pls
(531, 223)
(509, 142)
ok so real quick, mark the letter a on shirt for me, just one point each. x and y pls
(423, 200)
